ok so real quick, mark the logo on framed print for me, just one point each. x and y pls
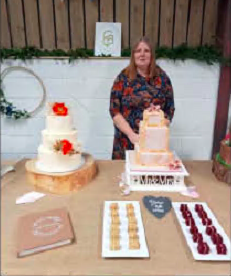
(108, 39)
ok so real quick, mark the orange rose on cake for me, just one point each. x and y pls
(60, 109)
(65, 147)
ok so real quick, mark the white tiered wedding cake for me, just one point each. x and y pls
(60, 150)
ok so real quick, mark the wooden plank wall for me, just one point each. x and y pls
(122, 15)
(5, 30)
(16, 23)
(77, 24)
(46, 18)
(32, 22)
(62, 24)
(166, 22)
(152, 17)
(70, 24)
(195, 22)
(136, 20)
(181, 18)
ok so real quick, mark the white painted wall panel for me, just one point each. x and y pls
(85, 86)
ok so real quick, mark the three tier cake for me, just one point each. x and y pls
(59, 150)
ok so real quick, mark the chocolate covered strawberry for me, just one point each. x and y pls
(189, 221)
(202, 214)
(187, 214)
(221, 249)
(198, 238)
(203, 248)
(206, 221)
(193, 230)
(199, 208)
(210, 230)
(217, 238)
(183, 207)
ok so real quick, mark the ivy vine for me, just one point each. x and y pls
(206, 53)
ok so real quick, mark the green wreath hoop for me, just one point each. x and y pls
(7, 108)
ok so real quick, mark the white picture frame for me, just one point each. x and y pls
(108, 39)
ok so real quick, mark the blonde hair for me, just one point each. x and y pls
(131, 70)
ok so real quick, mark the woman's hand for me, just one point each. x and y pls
(167, 122)
(124, 126)
(133, 137)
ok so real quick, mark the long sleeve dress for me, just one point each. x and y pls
(131, 97)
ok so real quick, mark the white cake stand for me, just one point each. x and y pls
(141, 178)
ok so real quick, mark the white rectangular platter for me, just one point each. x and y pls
(212, 255)
(124, 251)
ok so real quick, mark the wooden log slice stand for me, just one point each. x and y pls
(223, 173)
(62, 183)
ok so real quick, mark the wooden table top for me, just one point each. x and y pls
(169, 254)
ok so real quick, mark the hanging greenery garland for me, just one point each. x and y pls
(205, 53)
(7, 108)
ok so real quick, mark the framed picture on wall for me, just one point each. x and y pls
(108, 39)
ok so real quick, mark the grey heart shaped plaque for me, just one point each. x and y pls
(158, 206)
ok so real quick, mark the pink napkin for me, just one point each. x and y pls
(191, 192)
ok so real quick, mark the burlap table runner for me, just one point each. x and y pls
(169, 254)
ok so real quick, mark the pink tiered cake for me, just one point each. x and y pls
(153, 146)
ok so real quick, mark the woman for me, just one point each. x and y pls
(139, 86)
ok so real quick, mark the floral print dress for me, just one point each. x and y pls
(131, 97)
